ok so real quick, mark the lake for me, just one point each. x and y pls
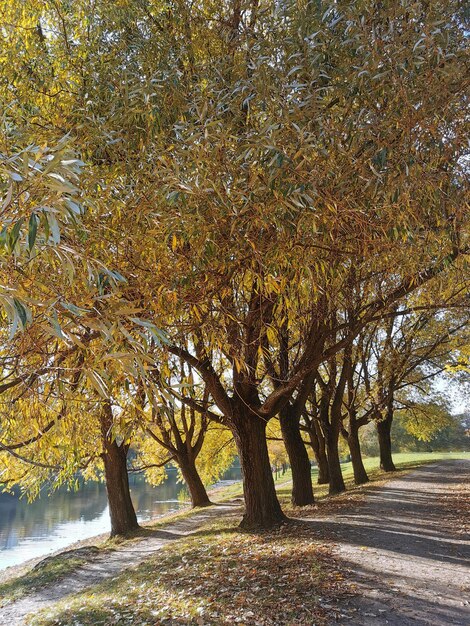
(51, 523)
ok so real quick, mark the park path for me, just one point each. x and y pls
(405, 551)
(111, 564)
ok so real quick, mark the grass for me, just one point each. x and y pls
(218, 575)
(403, 461)
(48, 571)
(235, 490)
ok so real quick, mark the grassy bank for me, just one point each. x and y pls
(218, 575)
(403, 461)
(46, 572)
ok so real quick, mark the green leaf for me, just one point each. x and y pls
(73, 206)
(55, 328)
(47, 230)
(76, 310)
(97, 383)
(14, 234)
(32, 231)
(381, 157)
(54, 226)
(21, 311)
(3, 236)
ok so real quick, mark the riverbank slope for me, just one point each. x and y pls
(186, 575)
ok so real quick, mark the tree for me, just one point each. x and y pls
(250, 159)
(404, 355)
(317, 443)
(355, 420)
(114, 455)
(200, 449)
(235, 242)
(332, 385)
(62, 418)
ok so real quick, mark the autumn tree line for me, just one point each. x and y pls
(224, 222)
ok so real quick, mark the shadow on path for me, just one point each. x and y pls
(405, 552)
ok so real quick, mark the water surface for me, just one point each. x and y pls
(50, 523)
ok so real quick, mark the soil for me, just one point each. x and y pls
(405, 551)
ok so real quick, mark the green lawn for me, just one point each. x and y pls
(403, 461)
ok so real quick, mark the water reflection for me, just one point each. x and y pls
(51, 523)
(30, 530)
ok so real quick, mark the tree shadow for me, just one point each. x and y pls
(402, 548)
(246, 586)
(388, 529)
(379, 604)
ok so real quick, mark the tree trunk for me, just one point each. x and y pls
(385, 443)
(302, 490)
(193, 481)
(262, 508)
(360, 474)
(319, 450)
(121, 509)
(334, 466)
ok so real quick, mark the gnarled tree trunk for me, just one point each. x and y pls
(360, 474)
(319, 450)
(334, 466)
(385, 441)
(121, 509)
(262, 508)
(302, 490)
(331, 425)
(196, 488)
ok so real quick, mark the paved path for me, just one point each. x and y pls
(407, 552)
(110, 564)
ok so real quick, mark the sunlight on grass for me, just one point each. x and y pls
(219, 575)
(403, 460)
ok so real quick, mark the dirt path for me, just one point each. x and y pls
(406, 551)
(110, 564)
(403, 549)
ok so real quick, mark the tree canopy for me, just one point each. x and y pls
(244, 188)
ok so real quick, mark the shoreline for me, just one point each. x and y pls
(15, 571)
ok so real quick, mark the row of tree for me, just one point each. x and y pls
(220, 215)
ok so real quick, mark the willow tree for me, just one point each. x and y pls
(244, 157)
(406, 354)
(307, 146)
(50, 273)
(44, 266)
(200, 460)
(59, 418)
(174, 431)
